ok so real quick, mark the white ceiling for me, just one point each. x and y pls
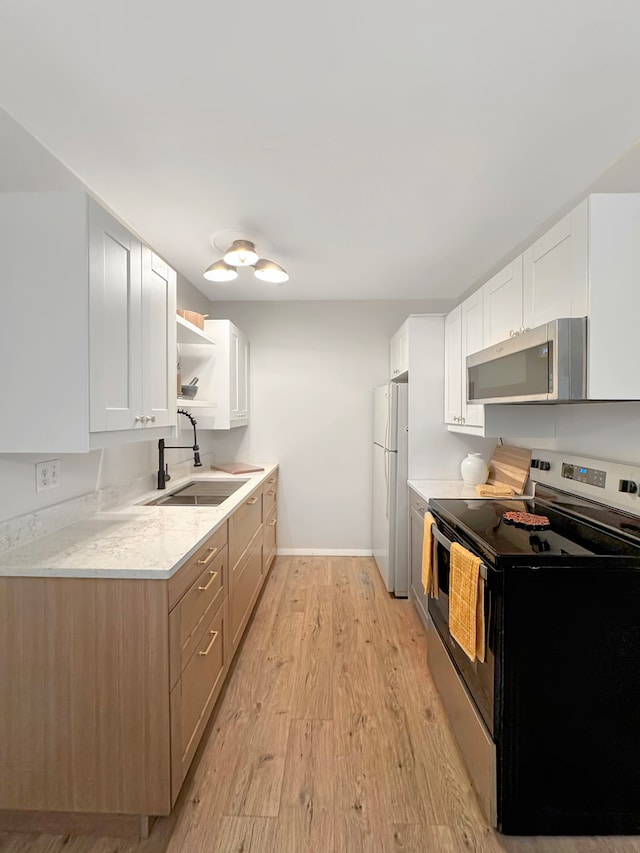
(377, 150)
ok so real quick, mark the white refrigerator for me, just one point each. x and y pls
(390, 493)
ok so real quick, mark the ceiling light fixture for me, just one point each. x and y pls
(220, 271)
(270, 271)
(243, 254)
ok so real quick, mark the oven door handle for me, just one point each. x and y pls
(446, 543)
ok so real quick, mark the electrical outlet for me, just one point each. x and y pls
(47, 475)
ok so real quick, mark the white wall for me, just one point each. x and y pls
(313, 368)
(599, 430)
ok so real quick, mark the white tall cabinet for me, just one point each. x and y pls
(88, 328)
(433, 451)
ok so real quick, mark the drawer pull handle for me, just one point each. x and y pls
(209, 582)
(252, 501)
(208, 559)
(272, 480)
(203, 654)
(272, 523)
(272, 492)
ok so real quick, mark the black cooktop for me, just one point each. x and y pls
(577, 528)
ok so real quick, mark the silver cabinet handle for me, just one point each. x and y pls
(150, 419)
(139, 419)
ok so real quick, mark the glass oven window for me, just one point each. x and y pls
(518, 374)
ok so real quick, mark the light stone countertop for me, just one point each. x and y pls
(442, 489)
(131, 541)
(449, 489)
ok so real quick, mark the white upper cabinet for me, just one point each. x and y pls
(453, 366)
(158, 340)
(503, 304)
(472, 341)
(555, 271)
(131, 330)
(463, 335)
(399, 353)
(223, 371)
(83, 323)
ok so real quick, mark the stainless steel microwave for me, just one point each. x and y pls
(545, 364)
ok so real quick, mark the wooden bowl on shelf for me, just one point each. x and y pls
(194, 318)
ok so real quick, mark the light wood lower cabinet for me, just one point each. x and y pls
(270, 539)
(246, 584)
(107, 685)
(193, 698)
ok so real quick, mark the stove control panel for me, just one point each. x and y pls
(590, 476)
(606, 481)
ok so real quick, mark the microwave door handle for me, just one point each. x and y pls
(446, 543)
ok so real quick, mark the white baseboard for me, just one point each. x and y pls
(324, 552)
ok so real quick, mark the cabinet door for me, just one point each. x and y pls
(453, 366)
(399, 352)
(555, 271)
(158, 340)
(416, 516)
(243, 375)
(234, 374)
(472, 322)
(503, 301)
(115, 327)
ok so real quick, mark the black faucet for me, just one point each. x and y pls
(163, 476)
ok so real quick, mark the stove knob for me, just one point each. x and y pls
(628, 486)
(544, 466)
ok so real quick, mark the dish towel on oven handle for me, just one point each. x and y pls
(429, 561)
(466, 602)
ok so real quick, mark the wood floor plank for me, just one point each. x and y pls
(242, 835)
(313, 693)
(329, 736)
(306, 818)
(256, 783)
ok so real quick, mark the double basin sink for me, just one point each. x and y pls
(199, 493)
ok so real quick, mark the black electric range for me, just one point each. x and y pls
(559, 690)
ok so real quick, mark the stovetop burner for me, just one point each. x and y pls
(575, 528)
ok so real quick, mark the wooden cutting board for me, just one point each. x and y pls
(510, 465)
(237, 468)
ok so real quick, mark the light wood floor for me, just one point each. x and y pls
(329, 737)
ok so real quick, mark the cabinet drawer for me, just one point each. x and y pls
(269, 495)
(187, 620)
(244, 588)
(194, 696)
(270, 528)
(187, 575)
(243, 525)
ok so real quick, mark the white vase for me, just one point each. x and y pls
(474, 469)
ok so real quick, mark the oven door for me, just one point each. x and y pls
(478, 678)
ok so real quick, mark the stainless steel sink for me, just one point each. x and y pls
(199, 493)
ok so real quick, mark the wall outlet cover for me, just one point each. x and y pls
(47, 475)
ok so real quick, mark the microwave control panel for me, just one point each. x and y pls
(590, 476)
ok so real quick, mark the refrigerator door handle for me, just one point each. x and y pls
(387, 484)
